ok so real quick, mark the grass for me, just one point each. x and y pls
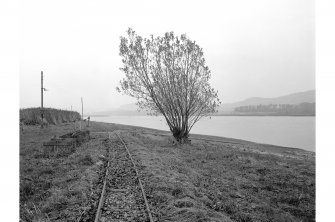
(202, 181)
(225, 182)
(32, 116)
(56, 186)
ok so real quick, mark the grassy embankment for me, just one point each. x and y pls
(230, 180)
(32, 116)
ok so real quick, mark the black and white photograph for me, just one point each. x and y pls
(177, 111)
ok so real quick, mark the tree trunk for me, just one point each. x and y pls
(181, 136)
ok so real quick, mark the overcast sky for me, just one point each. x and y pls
(259, 48)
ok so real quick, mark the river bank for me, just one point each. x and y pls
(211, 179)
(297, 132)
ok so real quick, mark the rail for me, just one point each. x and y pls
(103, 192)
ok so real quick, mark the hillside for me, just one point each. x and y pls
(228, 108)
(124, 110)
(295, 98)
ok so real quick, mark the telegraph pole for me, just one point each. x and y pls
(42, 98)
(42, 89)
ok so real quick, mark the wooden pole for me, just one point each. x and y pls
(42, 98)
(41, 89)
(82, 109)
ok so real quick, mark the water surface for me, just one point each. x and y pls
(298, 132)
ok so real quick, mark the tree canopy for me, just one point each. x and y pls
(168, 75)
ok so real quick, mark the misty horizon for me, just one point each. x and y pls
(252, 97)
(253, 49)
(134, 103)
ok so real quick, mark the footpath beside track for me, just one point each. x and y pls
(123, 197)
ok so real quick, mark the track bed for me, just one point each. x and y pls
(123, 199)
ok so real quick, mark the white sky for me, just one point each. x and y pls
(253, 48)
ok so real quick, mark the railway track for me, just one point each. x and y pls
(123, 197)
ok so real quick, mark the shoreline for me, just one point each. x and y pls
(254, 115)
(211, 179)
(213, 137)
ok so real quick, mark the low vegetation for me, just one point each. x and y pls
(231, 180)
(32, 116)
(58, 185)
(213, 181)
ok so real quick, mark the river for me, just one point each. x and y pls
(298, 132)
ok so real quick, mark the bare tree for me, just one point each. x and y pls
(168, 75)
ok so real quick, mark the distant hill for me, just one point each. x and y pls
(225, 109)
(295, 98)
(124, 110)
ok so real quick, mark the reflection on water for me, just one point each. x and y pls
(296, 132)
